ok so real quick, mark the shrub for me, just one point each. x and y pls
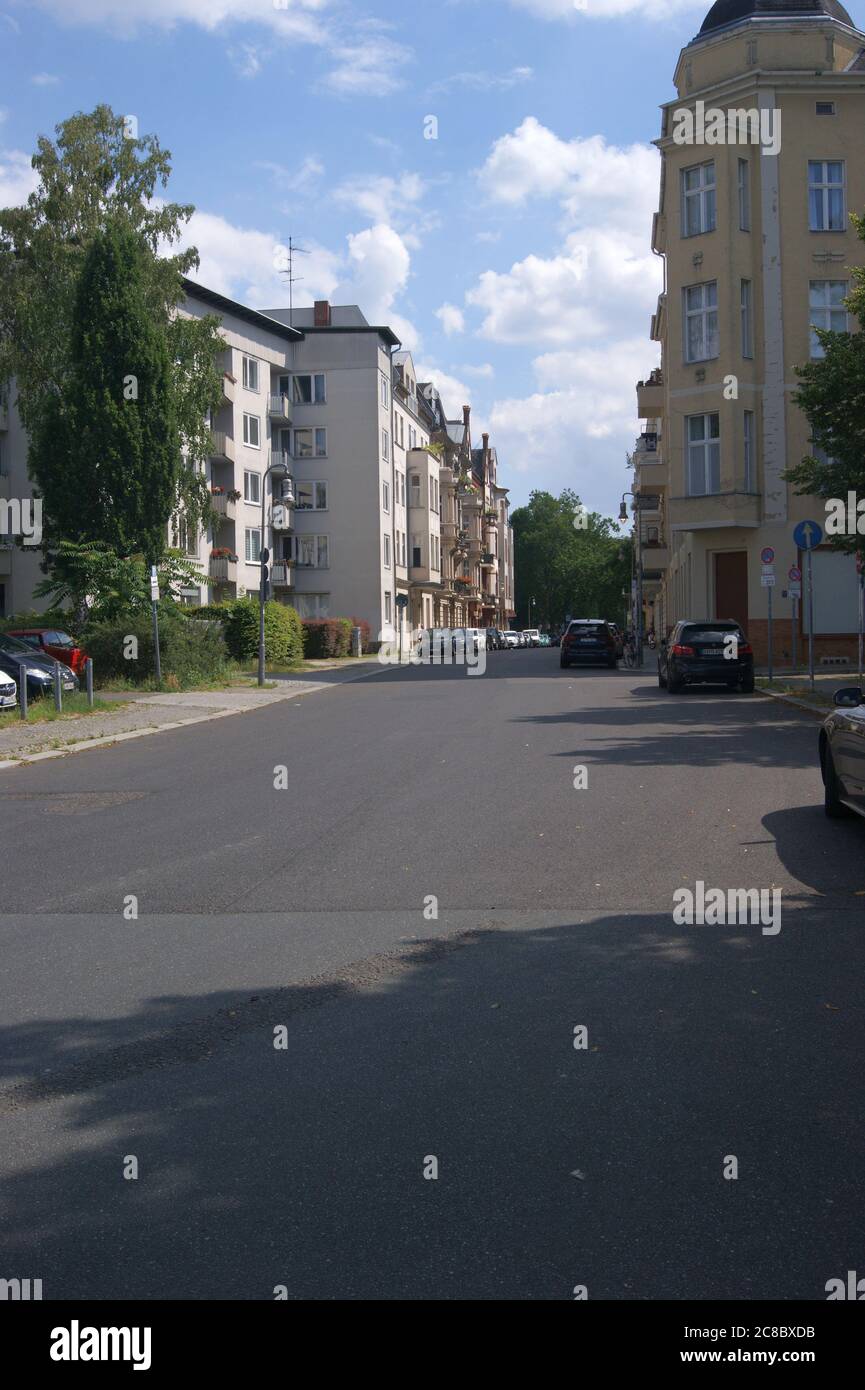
(283, 632)
(51, 617)
(190, 653)
(324, 637)
(217, 612)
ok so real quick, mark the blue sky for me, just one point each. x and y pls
(511, 253)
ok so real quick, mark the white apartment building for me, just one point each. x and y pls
(327, 451)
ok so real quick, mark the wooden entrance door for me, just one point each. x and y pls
(731, 586)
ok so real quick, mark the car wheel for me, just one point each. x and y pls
(731, 685)
(832, 805)
(564, 664)
(662, 680)
(673, 685)
(747, 685)
(613, 665)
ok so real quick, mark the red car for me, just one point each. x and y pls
(53, 643)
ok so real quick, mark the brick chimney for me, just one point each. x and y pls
(321, 314)
(467, 410)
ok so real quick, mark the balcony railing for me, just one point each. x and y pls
(228, 385)
(280, 458)
(223, 567)
(224, 506)
(279, 407)
(281, 574)
(223, 446)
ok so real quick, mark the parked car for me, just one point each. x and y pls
(503, 638)
(512, 638)
(8, 690)
(842, 749)
(23, 663)
(555, 639)
(544, 639)
(53, 644)
(493, 639)
(620, 641)
(700, 652)
(588, 640)
(533, 637)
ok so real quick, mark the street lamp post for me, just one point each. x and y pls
(278, 470)
(638, 555)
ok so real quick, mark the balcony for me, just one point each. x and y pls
(282, 517)
(651, 471)
(655, 557)
(720, 510)
(224, 506)
(228, 384)
(279, 458)
(650, 397)
(223, 568)
(488, 559)
(282, 574)
(279, 408)
(449, 530)
(223, 446)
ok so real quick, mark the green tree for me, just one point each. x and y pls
(567, 568)
(832, 396)
(98, 584)
(106, 455)
(99, 174)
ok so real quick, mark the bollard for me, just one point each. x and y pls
(88, 671)
(58, 692)
(22, 692)
(356, 641)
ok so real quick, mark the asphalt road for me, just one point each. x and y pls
(423, 916)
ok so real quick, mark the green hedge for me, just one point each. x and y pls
(327, 637)
(283, 632)
(190, 653)
(52, 617)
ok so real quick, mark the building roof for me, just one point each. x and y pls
(725, 12)
(240, 311)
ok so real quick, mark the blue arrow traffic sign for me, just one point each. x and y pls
(807, 535)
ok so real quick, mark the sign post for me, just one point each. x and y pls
(401, 606)
(861, 578)
(767, 580)
(794, 574)
(154, 599)
(807, 535)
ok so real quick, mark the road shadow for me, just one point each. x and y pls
(304, 1166)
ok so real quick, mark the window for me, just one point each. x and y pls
(826, 195)
(251, 486)
(311, 497)
(698, 199)
(384, 391)
(825, 108)
(826, 306)
(750, 472)
(252, 431)
(745, 315)
(701, 322)
(416, 552)
(388, 608)
(253, 545)
(386, 551)
(385, 444)
(312, 605)
(402, 488)
(703, 454)
(414, 489)
(308, 389)
(385, 496)
(310, 443)
(744, 196)
(250, 373)
(312, 552)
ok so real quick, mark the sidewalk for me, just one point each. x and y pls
(151, 712)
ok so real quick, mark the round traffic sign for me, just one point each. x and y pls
(808, 534)
(794, 572)
(767, 554)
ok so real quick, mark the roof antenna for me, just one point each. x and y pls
(292, 278)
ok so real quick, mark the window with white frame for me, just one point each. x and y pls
(384, 391)
(312, 552)
(414, 489)
(385, 444)
(826, 310)
(703, 446)
(307, 444)
(385, 496)
(312, 605)
(252, 431)
(388, 607)
(386, 551)
(251, 486)
(308, 388)
(250, 373)
(747, 321)
(252, 545)
(744, 189)
(749, 444)
(701, 322)
(311, 496)
(826, 198)
(698, 199)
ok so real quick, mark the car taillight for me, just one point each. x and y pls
(679, 650)
(745, 649)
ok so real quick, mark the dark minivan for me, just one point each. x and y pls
(709, 651)
(588, 640)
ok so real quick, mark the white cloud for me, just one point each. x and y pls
(381, 197)
(482, 369)
(454, 392)
(17, 179)
(572, 11)
(44, 79)
(247, 58)
(484, 81)
(367, 66)
(244, 264)
(303, 177)
(4, 114)
(13, 23)
(295, 18)
(376, 272)
(452, 319)
(488, 237)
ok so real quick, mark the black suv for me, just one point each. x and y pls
(709, 651)
(590, 640)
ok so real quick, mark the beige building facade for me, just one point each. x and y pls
(762, 163)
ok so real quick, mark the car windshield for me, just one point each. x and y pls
(712, 634)
(58, 639)
(587, 629)
(11, 644)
